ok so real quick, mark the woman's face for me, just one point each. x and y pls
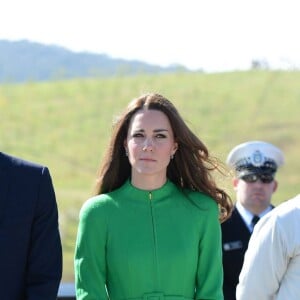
(150, 145)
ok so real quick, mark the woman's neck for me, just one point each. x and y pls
(148, 182)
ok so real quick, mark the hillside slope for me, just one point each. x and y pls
(22, 61)
(66, 125)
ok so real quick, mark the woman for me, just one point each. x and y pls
(152, 231)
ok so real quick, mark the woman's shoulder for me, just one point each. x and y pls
(201, 200)
(97, 205)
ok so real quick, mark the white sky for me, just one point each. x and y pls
(213, 35)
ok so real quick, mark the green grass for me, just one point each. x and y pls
(66, 125)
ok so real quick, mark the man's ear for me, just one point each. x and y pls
(235, 182)
(275, 186)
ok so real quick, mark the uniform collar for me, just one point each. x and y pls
(247, 215)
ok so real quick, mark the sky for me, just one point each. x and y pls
(211, 35)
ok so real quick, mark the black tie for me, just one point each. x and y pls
(255, 219)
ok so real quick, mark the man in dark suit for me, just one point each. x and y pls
(30, 245)
(255, 164)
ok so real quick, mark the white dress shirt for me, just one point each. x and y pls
(247, 216)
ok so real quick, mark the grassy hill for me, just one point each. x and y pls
(66, 125)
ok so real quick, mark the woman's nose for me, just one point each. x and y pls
(148, 145)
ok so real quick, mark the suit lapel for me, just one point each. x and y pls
(244, 230)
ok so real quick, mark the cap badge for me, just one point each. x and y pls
(257, 158)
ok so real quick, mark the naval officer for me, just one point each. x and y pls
(255, 164)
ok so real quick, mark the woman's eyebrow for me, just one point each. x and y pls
(155, 130)
(158, 130)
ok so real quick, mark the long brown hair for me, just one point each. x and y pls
(191, 167)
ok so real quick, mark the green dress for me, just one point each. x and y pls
(163, 244)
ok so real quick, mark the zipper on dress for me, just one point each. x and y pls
(150, 195)
(156, 278)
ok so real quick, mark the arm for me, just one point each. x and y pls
(90, 262)
(265, 261)
(44, 266)
(210, 272)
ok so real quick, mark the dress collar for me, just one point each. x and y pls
(154, 195)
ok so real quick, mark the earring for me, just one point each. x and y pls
(172, 156)
(126, 152)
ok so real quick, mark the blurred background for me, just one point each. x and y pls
(68, 68)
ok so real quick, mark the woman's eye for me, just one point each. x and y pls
(161, 136)
(138, 135)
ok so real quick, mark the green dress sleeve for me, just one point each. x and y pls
(209, 279)
(90, 269)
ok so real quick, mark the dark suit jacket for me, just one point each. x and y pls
(30, 246)
(235, 239)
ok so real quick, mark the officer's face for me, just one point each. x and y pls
(254, 196)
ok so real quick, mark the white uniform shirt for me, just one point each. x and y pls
(247, 215)
(271, 267)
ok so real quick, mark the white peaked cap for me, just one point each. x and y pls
(256, 155)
